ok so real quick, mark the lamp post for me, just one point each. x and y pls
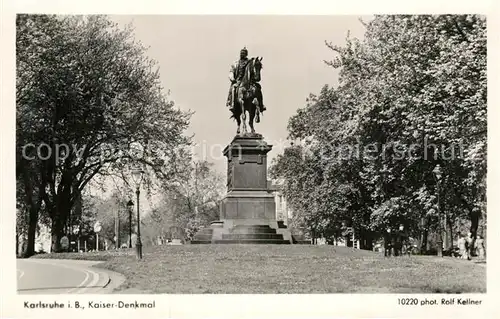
(117, 229)
(137, 177)
(76, 232)
(130, 204)
(437, 173)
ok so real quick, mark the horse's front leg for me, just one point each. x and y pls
(243, 114)
(244, 122)
(238, 123)
(250, 121)
(256, 104)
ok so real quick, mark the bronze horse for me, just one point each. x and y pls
(246, 97)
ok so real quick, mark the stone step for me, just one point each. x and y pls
(253, 229)
(253, 241)
(202, 237)
(197, 242)
(204, 234)
(241, 230)
(206, 231)
(251, 226)
(252, 236)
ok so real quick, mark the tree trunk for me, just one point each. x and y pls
(475, 215)
(33, 208)
(30, 248)
(369, 241)
(57, 232)
(424, 245)
(366, 240)
(55, 240)
(60, 218)
(423, 241)
(32, 222)
(17, 244)
(23, 245)
(450, 231)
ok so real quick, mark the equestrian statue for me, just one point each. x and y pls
(245, 92)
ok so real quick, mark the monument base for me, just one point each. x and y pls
(239, 234)
(235, 232)
(248, 218)
(248, 211)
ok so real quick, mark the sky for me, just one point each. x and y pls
(194, 54)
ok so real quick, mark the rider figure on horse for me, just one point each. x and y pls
(236, 74)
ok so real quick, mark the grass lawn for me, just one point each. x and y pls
(283, 269)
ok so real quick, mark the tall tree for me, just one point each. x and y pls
(87, 91)
(411, 95)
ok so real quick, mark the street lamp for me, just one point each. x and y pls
(76, 232)
(130, 204)
(117, 229)
(438, 174)
(137, 175)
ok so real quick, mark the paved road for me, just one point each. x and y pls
(57, 276)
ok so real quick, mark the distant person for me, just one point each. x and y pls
(462, 246)
(480, 247)
(387, 243)
(470, 249)
(398, 244)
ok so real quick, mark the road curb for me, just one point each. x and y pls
(114, 279)
(101, 280)
(107, 283)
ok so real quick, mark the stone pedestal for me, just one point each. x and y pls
(248, 211)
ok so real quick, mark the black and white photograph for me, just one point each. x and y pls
(229, 154)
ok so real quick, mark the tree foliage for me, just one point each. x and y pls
(187, 205)
(88, 92)
(411, 95)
